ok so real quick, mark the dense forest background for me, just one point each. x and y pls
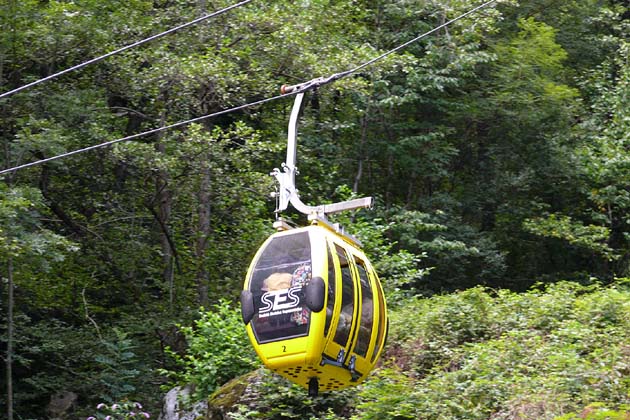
(496, 149)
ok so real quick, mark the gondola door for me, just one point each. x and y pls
(357, 338)
(371, 326)
(343, 333)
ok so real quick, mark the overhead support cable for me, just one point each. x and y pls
(285, 92)
(125, 48)
(144, 133)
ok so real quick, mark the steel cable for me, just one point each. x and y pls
(286, 91)
(125, 48)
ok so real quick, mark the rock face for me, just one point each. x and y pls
(241, 390)
(257, 392)
(177, 406)
(61, 404)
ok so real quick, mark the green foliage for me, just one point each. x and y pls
(218, 350)
(479, 354)
(21, 233)
(50, 352)
(528, 66)
(459, 255)
(591, 237)
(278, 399)
(602, 157)
(598, 411)
(117, 366)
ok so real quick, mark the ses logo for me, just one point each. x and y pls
(278, 302)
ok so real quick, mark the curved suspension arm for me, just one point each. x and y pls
(286, 178)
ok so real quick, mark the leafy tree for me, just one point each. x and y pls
(603, 156)
(26, 250)
(593, 218)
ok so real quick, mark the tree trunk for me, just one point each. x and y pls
(10, 328)
(164, 201)
(390, 162)
(10, 305)
(203, 232)
(202, 11)
(2, 70)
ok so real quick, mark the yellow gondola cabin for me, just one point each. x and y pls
(314, 308)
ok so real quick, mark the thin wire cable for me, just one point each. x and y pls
(125, 48)
(406, 44)
(145, 133)
(289, 91)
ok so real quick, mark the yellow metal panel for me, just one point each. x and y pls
(284, 348)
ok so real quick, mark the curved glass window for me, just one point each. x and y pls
(332, 280)
(281, 271)
(367, 311)
(347, 299)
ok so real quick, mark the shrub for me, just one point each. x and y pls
(481, 354)
(599, 411)
(218, 350)
(275, 398)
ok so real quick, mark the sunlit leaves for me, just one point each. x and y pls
(591, 237)
(21, 234)
(217, 351)
(530, 67)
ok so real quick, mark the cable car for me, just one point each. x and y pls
(314, 308)
(312, 303)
